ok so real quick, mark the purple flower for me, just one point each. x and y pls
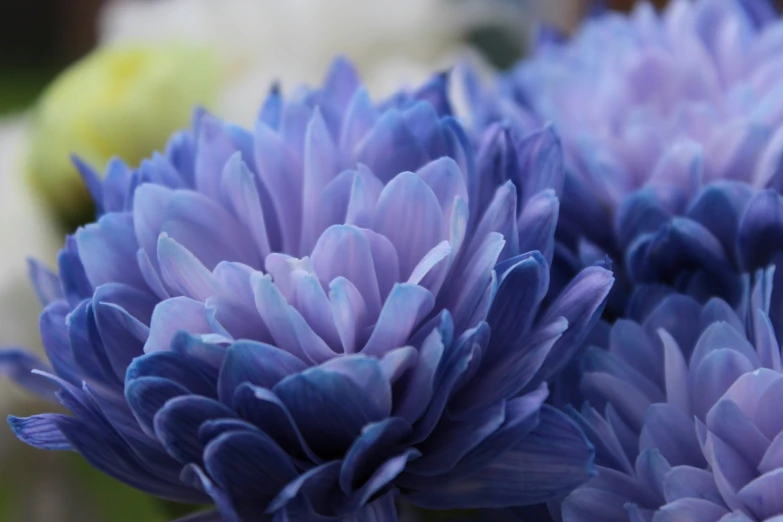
(308, 321)
(671, 125)
(685, 415)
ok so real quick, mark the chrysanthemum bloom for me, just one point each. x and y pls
(656, 112)
(302, 322)
(389, 42)
(685, 416)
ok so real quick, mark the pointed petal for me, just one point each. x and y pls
(581, 304)
(405, 307)
(255, 363)
(547, 464)
(108, 251)
(409, 215)
(40, 431)
(320, 167)
(345, 251)
(537, 223)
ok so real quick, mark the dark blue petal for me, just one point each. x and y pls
(173, 367)
(330, 408)
(414, 391)
(122, 314)
(545, 465)
(609, 452)
(250, 468)
(501, 216)
(211, 429)
(719, 208)
(73, 278)
(370, 449)
(639, 213)
(315, 485)
(105, 451)
(520, 292)
(498, 164)
(177, 425)
(208, 358)
(512, 372)
(452, 440)
(40, 431)
(455, 362)
(520, 417)
(581, 304)
(262, 408)
(87, 347)
(255, 363)
(761, 230)
(681, 245)
(147, 395)
(379, 482)
(193, 475)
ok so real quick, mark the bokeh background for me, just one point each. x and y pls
(103, 77)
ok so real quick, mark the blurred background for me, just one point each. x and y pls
(114, 77)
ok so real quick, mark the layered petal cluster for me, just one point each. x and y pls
(309, 320)
(685, 415)
(657, 111)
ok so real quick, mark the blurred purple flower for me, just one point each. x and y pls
(394, 344)
(685, 415)
(671, 124)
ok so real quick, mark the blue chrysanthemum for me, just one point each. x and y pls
(671, 124)
(308, 321)
(685, 416)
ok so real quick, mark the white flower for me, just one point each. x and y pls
(392, 42)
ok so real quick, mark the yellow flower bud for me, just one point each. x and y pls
(121, 101)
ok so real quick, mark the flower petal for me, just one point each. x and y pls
(547, 464)
(255, 363)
